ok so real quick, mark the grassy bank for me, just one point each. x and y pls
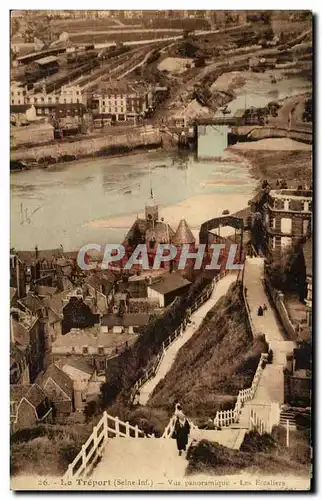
(259, 455)
(218, 361)
(46, 449)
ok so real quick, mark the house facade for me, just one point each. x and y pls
(287, 217)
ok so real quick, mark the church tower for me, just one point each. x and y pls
(151, 209)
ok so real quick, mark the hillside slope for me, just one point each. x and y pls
(218, 361)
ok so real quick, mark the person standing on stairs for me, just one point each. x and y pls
(181, 430)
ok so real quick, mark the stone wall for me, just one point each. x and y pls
(278, 301)
(86, 146)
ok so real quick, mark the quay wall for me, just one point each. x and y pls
(87, 146)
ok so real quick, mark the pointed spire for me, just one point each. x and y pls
(183, 234)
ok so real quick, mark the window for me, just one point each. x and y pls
(103, 103)
(18, 101)
(35, 100)
(100, 350)
(12, 101)
(85, 350)
(122, 109)
(42, 99)
(18, 93)
(12, 93)
(49, 100)
(77, 100)
(65, 102)
(110, 110)
(73, 349)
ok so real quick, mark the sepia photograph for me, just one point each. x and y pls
(161, 241)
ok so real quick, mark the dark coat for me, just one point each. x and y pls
(181, 433)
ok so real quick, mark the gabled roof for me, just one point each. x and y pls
(56, 301)
(32, 392)
(35, 395)
(170, 284)
(20, 333)
(183, 234)
(59, 377)
(32, 302)
(79, 364)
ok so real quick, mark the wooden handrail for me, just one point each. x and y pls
(224, 418)
(86, 459)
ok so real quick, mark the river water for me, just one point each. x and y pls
(97, 200)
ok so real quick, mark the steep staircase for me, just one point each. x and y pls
(132, 454)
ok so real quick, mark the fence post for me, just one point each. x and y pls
(127, 429)
(70, 471)
(117, 427)
(84, 457)
(105, 426)
(94, 434)
(287, 433)
(136, 432)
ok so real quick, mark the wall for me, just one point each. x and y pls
(278, 300)
(152, 294)
(90, 146)
(31, 134)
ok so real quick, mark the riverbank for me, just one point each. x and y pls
(276, 159)
(88, 147)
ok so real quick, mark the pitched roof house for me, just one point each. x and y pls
(29, 404)
(168, 288)
(59, 388)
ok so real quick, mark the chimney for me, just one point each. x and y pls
(36, 252)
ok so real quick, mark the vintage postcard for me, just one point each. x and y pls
(161, 250)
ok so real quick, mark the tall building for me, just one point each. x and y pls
(287, 218)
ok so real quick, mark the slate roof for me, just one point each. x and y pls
(126, 320)
(170, 284)
(141, 227)
(46, 60)
(55, 302)
(59, 376)
(85, 337)
(183, 234)
(32, 302)
(33, 393)
(79, 364)
(46, 290)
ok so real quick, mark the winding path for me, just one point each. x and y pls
(196, 319)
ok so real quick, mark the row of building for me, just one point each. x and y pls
(107, 105)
